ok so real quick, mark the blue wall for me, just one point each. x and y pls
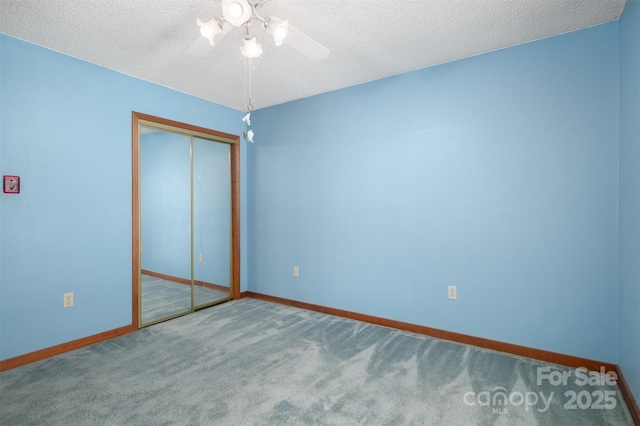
(497, 174)
(629, 338)
(66, 130)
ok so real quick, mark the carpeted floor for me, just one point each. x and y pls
(250, 362)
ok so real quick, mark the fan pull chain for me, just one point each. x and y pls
(248, 135)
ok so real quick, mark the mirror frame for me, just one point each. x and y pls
(234, 148)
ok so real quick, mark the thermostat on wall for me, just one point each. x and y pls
(11, 184)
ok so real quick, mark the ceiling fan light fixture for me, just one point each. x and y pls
(209, 29)
(251, 48)
(236, 12)
(278, 29)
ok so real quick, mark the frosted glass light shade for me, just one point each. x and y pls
(251, 48)
(278, 29)
(209, 29)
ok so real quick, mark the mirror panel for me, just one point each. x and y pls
(165, 224)
(211, 221)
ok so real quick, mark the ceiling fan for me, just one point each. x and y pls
(243, 13)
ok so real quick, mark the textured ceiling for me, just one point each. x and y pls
(368, 39)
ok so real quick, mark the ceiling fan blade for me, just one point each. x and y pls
(306, 45)
(226, 27)
(202, 46)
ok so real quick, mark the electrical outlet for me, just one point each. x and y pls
(453, 292)
(200, 258)
(67, 300)
(296, 271)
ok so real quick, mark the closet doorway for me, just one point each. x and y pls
(186, 218)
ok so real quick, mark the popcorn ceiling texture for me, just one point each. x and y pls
(368, 40)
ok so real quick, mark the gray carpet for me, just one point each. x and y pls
(163, 299)
(249, 362)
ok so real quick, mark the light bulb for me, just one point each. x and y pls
(235, 9)
(236, 12)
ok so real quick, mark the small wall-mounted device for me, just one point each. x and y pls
(11, 184)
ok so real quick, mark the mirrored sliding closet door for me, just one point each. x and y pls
(212, 222)
(185, 223)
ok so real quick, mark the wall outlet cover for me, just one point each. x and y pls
(67, 300)
(11, 184)
(453, 292)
